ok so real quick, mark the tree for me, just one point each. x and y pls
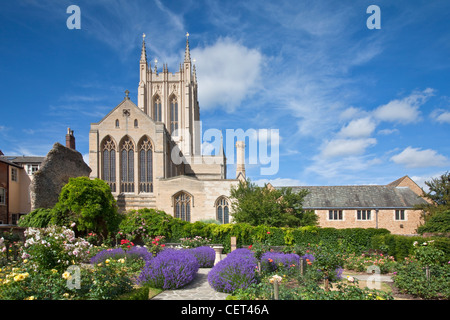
(89, 204)
(257, 205)
(439, 193)
(438, 223)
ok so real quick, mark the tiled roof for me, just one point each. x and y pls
(4, 160)
(24, 159)
(370, 196)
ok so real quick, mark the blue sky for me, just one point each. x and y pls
(353, 105)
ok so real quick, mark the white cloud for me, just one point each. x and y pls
(388, 131)
(346, 147)
(441, 116)
(341, 169)
(228, 72)
(405, 110)
(359, 128)
(416, 158)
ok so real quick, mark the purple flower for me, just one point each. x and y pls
(308, 256)
(139, 252)
(205, 256)
(117, 253)
(170, 269)
(236, 271)
(271, 261)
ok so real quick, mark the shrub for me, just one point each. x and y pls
(170, 269)
(360, 262)
(134, 254)
(116, 253)
(410, 278)
(236, 271)
(90, 204)
(195, 242)
(38, 218)
(54, 247)
(205, 256)
(107, 280)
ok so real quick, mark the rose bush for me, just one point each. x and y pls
(54, 247)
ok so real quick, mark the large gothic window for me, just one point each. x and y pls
(173, 115)
(157, 108)
(127, 166)
(109, 163)
(183, 206)
(222, 210)
(145, 166)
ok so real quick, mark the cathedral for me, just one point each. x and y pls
(150, 153)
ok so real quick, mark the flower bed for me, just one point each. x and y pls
(134, 254)
(236, 271)
(364, 262)
(170, 269)
(273, 261)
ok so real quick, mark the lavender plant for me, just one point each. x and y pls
(273, 261)
(170, 269)
(205, 256)
(236, 271)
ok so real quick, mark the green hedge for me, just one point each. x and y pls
(158, 223)
(401, 246)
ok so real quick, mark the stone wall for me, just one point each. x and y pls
(60, 164)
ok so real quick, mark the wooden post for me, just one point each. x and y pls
(427, 272)
(233, 243)
(275, 290)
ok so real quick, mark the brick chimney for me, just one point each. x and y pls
(70, 139)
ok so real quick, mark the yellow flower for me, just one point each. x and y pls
(121, 260)
(30, 298)
(100, 264)
(19, 277)
(66, 295)
(25, 260)
(107, 261)
(380, 298)
(66, 275)
(54, 271)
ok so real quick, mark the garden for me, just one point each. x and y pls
(140, 261)
(84, 249)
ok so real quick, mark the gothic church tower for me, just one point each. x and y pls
(171, 98)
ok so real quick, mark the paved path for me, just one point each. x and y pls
(198, 289)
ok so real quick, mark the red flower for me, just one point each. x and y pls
(250, 246)
(163, 245)
(268, 232)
